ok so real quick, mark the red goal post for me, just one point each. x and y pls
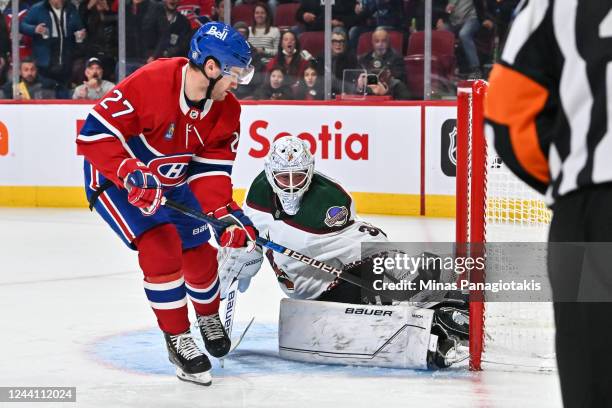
(492, 205)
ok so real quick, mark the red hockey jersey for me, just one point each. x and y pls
(147, 116)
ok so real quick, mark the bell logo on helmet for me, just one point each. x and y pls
(194, 55)
(222, 35)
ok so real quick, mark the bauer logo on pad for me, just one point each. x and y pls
(448, 143)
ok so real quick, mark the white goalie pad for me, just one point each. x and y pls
(340, 333)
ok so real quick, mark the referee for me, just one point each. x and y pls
(551, 113)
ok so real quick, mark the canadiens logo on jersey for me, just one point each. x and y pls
(170, 132)
(336, 216)
(170, 170)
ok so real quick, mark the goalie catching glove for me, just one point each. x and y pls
(143, 187)
(240, 232)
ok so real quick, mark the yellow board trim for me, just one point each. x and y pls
(437, 205)
(28, 196)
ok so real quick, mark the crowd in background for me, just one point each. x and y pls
(68, 48)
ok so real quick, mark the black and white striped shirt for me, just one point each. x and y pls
(548, 103)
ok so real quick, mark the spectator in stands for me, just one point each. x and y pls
(247, 91)
(465, 19)
(5, 49)
(25, 41)
(170, 33)
(218, 12)
(342, 59)
(275, 86)
(415, 14)
(198, 12)
(263, 37)
(310, 86)
(383, 57)
(243, 30)
(101, 24)
(312, 14)
(290, 57)
(55, 27)
(388, 14)
(94, 87)
(31, 85)
(386, 85)
(139, 20)
(502, 11)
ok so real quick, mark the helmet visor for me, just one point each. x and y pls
(242, 75)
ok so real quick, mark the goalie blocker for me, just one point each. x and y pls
(398, 336)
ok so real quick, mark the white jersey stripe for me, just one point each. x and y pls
(114, 130)
(119, 219)
(94, 138)
(212, 161)
(156, 152)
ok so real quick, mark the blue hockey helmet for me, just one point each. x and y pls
(226, 46)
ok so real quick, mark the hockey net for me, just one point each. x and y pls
(495, 206)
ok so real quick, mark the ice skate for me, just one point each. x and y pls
(216, 340)
(191, 364)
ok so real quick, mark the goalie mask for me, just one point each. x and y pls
(289, 167)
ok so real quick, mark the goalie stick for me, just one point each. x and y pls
(355, 280)
(230, 312)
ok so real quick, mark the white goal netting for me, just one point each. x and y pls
(517, 334)
(494, 206)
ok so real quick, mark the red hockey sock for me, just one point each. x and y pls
(159, 255)
(202, 282)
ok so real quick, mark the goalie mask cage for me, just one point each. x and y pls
(495, 206)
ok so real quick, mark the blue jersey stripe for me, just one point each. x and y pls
(94, 127)
(199, 168)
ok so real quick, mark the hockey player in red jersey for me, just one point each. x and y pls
(172, 129)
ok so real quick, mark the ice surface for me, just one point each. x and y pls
(73, 313)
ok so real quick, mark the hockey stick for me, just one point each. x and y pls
(230, 312)
(355, 280)
(230, 307)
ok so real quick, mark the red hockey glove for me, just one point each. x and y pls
(241, 231)
(144, 189)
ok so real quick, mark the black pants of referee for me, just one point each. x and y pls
(581, 280)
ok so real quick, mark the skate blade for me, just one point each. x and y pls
(200, 378)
